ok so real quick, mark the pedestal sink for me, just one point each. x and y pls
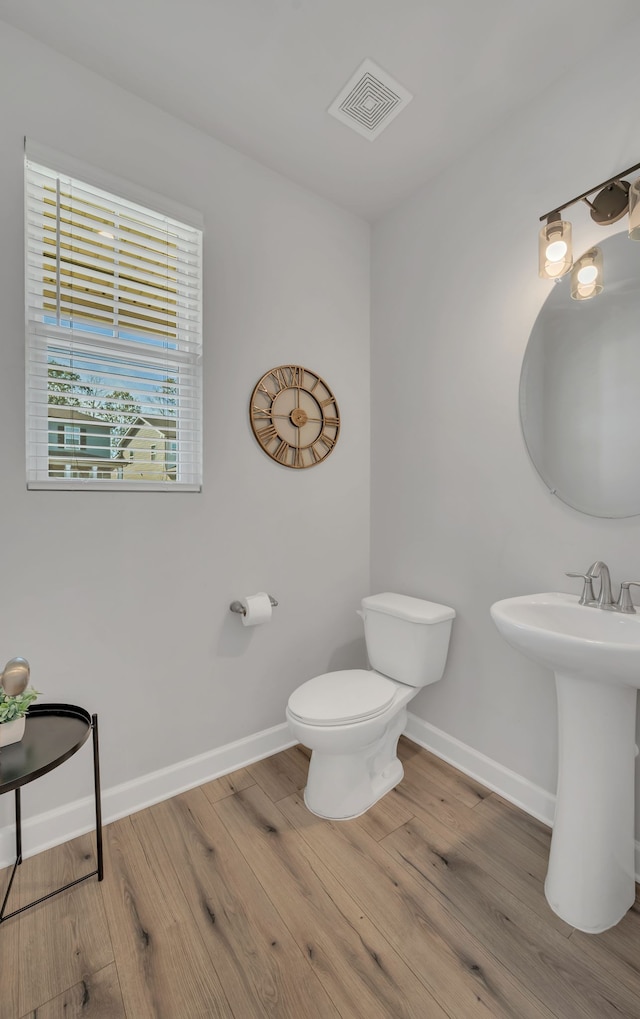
(595, 655)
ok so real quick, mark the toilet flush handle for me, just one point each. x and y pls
(360, 613)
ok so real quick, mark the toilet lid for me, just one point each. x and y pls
(340, 697)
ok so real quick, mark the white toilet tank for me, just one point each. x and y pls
(407, 638)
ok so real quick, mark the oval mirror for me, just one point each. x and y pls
(580, 389)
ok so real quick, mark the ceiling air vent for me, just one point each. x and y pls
(370, 100)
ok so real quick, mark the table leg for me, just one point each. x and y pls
(18, 829)
(96, 786)
(3, 917)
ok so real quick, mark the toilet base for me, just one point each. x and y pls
(341, 786)
(383, 784)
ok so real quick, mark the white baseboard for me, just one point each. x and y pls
(513, 787)
(532, 798)
(56, 826)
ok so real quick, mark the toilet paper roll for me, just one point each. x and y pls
(257, 609)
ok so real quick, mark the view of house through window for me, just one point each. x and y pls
(113, 340)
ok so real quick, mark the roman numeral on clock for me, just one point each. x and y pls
(282, 452)
(266, 434)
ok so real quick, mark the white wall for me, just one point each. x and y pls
(120, 600)
(459, 513)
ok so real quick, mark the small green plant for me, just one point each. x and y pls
(15, 707)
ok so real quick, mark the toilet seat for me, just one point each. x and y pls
(338, 698)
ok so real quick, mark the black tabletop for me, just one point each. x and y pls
(53, 733)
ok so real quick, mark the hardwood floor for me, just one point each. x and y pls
(233, 901)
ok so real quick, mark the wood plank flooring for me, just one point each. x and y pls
(233, 901)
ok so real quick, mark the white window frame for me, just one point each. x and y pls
(36, 351)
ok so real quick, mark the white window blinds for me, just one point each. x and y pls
(114, 340)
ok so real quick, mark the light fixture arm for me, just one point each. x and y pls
(611, 180)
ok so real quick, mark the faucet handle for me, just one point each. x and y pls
(624, 601)
(587, 597)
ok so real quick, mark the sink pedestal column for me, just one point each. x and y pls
(590, 882)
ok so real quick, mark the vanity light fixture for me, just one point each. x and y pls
(614, 198)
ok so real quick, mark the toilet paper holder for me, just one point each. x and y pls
(237, 606)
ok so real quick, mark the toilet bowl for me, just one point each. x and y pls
(351, 720)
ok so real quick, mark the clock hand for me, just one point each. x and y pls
(288, 416)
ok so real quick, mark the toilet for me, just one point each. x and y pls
(351, 720)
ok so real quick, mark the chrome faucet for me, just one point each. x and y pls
(600, 569)
(605, 597)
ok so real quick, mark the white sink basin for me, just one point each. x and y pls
(554, 630)
(595, 655)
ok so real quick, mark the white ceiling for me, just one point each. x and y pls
(260, 74)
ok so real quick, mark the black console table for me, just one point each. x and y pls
(53, 733)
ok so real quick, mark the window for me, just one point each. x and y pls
(71, 436)
(114, 334)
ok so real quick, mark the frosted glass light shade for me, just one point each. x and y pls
(555, 255)
(634, 210)
(587, 277)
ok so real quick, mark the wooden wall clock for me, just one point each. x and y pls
(294, 416)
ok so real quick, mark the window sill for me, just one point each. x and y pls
(91, 485)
